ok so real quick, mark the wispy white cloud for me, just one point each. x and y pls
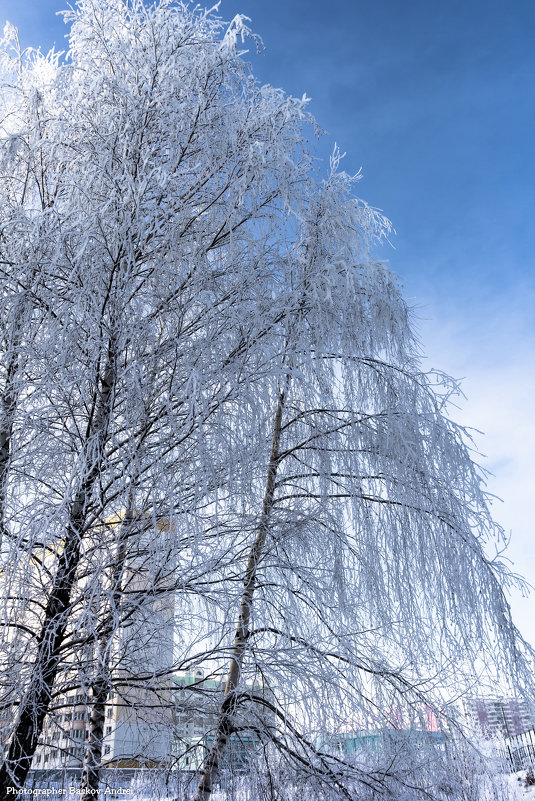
(493, 349)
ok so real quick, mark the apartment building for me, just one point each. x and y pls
(154, 717)
(170, 728)
(123, 625)
(197, 701)
(499, 717)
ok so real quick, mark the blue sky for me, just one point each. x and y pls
(435, 101)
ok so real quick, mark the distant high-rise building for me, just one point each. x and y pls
(137, 713)
(499, 717)
(197, 703)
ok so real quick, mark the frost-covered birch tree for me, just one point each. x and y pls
(155, 176)
(366, 589)
(196, 334)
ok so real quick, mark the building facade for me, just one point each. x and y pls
(499, 717)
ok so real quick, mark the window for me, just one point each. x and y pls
(109, 713)
(107, 749)
(37, 759)
(45, 758)
(78, 734)
(108, 729)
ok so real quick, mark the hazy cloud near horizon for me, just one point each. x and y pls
(490, 349)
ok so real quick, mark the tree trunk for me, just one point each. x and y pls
(93, 756)
(36, 701)
(102, 684)
(229, 704)
(8, 403)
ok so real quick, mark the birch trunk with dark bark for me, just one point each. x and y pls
(229, 704)
(102, 684)
(8, 402)
(36, 700)
(8, 405)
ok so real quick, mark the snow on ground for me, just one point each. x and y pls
(514, 788)
(518, 787)
(515, 784)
